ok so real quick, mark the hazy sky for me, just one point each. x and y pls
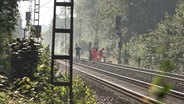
(46, 11)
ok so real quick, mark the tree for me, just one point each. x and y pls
(138, 16)
(165, 41)
(86, 20)
(144, 15)
(8, 13)
(8, 16)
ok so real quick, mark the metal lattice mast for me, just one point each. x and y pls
(36, 28)
(36, 12)
(58, 32)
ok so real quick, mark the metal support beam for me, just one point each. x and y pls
(63, 31)
(36, 12)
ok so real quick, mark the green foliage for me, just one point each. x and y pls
(39, 90)
(97, 19)
(163, 42)
(24, 57)
(107, 11)
(160, 93)
(85, 25)
(144, 15)
(137, 50)
(82, 93)
(8, 16)
(3, 48)
(3, 79)
(167, 65)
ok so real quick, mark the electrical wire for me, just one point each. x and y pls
(43, 4)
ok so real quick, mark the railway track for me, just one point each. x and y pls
(118, 88)
(131, 87)
(140, 73)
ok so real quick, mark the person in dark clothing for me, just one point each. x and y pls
(139, 61)
(90, 54)
(77, 53)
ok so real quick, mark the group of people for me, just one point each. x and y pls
(98, 55)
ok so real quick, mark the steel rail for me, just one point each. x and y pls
(140, 97)
(149, 70)
(172, 93)
(143, 69)
(145, 74)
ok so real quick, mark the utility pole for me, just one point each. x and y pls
(36, 27)
(36, 12)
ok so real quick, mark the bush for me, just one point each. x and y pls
(39, 91)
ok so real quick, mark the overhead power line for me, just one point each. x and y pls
(44, 4)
